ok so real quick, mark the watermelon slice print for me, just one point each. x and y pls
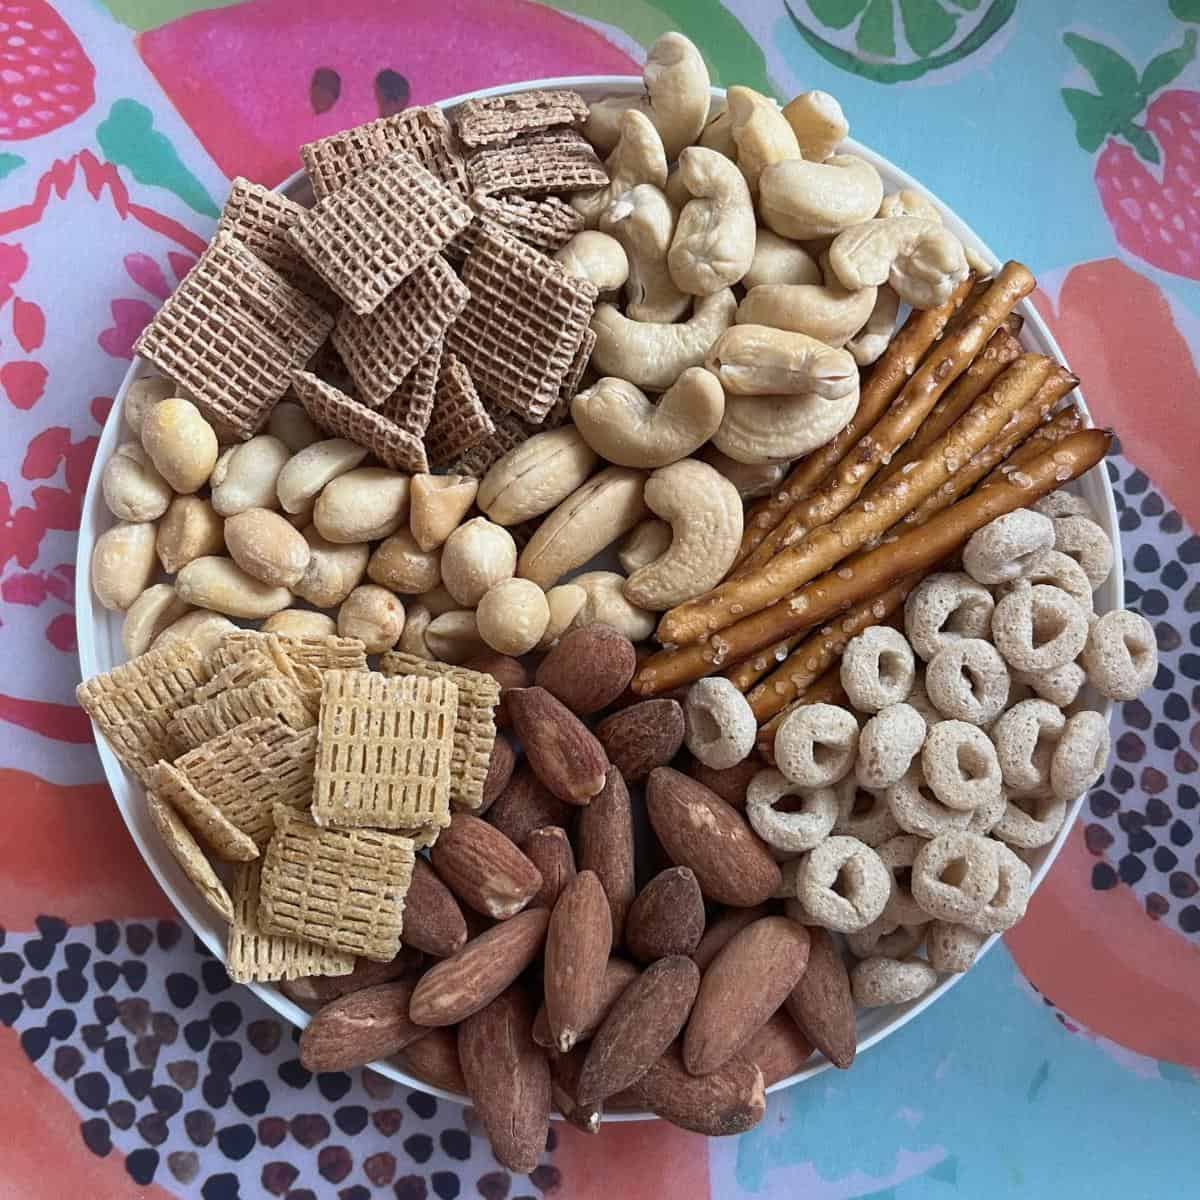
(46, 80)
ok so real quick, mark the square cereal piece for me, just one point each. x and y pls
(496, 119)
(254, 955)
(325, 653)
(342, 888)
(474, 729)
(508, 432)
(343, 417)
(186, 851)
(459, 420)
(209, 824)
(382, 347)
(384, 749)
(133, 704)
(411, 405)
(520, 333)
(250, 769)
(424, 133)
(367, 238)
(547, 223)
(271, 696)
(232, 334)
(552, 162)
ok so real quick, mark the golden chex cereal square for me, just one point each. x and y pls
(270, 696)
(186, 851)
(324, 653)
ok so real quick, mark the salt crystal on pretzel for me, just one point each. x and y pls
(186, 851)
(494, 119)
(411, 405)
(459, 419)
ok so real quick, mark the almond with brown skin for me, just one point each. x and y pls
(778, 1048)
(527, 804)
(748, 980)
(604, 841)
(699, 830)
(360, 1028)
(564, 1086)
(508, 1079)
(822, 1003)
(730, 783)
(618, 975)
(508, 672)
(641, 737)
(433, 922)
(588, 668)
(313, 991)
(483, 868)
(549, 849)
(667, 917)
(728, 1101)
(644, 1021)
(500, 768)
(453, 989)
(721, 928)
(578, 942)
(434, 1059)
(562, 751)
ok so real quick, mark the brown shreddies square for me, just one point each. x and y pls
(547, 223)
(232, 334)
(520, 333)
(324, 653)
(342, 888)
(186, 851)
(538, 165)
(252, 954)
(496, 119)
(384, 748)
(271, 696)
(475, 728)
(133, 704)
(411, 404)
(343, 417)
(382, 347)
(422, 132)
(509, 432)
(250, 769)
(459, 419)
(367, 238)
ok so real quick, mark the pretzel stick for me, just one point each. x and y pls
(882, 385)
(826, 546)
(914, 550)
(1061, 425)
(825, 689)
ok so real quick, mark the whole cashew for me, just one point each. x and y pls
(714, 236)
(750, 479)
(596, 257)
(923, 261)
(803, 200)
(642, 221)
(677, 84)
(717, 133)
(765, 429)
(760, 132)
(605, 604)
(908, 202)
(818, 122)
(637, 158)
(876, 335)
(623, 426)
(705, 514)
(652, 354)
(829, 313)
(780, 260)
(754, 360)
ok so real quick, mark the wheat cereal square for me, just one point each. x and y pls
(496, 119)
(459, 419)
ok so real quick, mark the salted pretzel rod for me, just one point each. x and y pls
(824, 547)
(882, 385)
(1064, 423)
(846, 481)
(825, 689)
(914, 550)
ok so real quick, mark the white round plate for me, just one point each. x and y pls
(100, 650)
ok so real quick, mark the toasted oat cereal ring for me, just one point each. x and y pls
(987, 816)
(789, 872)
(877, 982)
(1080, 755)
(960, 765)
(815, 746)
(952, 948)
(1037, 627)
(945, 608)
(899, 854)
(877, 668)
(863, 813)
(720, 724)
(954, 875)
(1060, 685)
(919, 698)
(886, 938)
(889, 742)
(1064, 504)
(1121, 655)
(1030, 821)
(917, 810)
(1011, 897)
(1082, 539)
(843, 885)
(1003, 548)
(795, 828)
(968, 681)
(1061, 571)
(1025, 739)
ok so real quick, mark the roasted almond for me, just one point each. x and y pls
(508, 1079)
(434, 1059)
(667, 917)
(562, 751)
(730, 783)
(359, 1028)
(748, 980)
(588, 668)
(618, 975)
(721, 928)
(727, 1101)
(483, 868)
(604, 841)
(778, 1048)
(463, 983)
(645, 1019)
(500, 768)
(641, 737)
(578, 942)
(549, 849)
(699, 830)
(433, 922)
(527, 804)
(313, 991)
(821, 1003)
(508, 672)
(565, 1070)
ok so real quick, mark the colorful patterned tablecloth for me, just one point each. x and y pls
(1065, 1065)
